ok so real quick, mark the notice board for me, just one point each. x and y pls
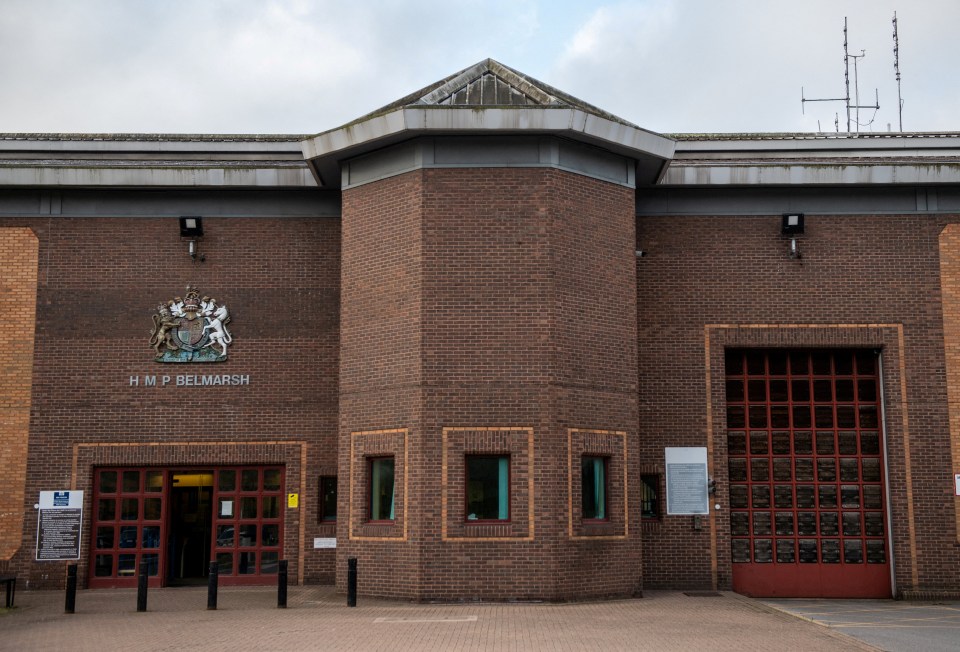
(59, 522)
(687, 488)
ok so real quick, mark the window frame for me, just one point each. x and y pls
(466, 488)
(371, 464)
(323, 483)
(606, 488)
(644, 477)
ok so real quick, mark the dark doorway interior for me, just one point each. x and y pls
(191, 496)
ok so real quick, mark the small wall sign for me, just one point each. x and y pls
(59, 523)
(687, 486)
(293, 501)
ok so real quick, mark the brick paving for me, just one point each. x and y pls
(317, 618)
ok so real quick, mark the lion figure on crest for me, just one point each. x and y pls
(217, 325)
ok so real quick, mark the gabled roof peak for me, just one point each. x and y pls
(490, 83)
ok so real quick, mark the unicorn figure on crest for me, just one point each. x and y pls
(217, 325)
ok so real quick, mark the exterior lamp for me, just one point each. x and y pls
(192, 227)
(791, 224)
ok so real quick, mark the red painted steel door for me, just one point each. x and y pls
(806, 474)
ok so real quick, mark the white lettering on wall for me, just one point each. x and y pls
(192, 380)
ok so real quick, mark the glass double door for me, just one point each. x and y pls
(178, 521)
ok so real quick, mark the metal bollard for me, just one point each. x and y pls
(352, 582)
(142, 586)
(282, 585)
(70, 604)
(212, 579)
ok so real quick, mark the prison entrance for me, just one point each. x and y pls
(806, 474)
(180, 520)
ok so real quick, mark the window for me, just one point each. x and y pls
(381, 489)
(649, 501)
(488, 487)
(328, 499)
(593, 474)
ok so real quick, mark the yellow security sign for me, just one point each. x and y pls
(293, 500)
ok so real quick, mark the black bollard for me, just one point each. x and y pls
(70, 604)
(212, 580)
(142, 586)
(352, 582)
(282, 585)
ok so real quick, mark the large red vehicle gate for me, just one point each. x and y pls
(806, 473)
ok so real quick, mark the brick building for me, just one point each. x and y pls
(456, 338)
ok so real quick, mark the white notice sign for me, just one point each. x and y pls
(325, 542)
(956, 480)
(687, 491)
(58, 525)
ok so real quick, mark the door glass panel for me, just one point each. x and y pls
(778, 391)
(828, 524)
(822, 391)
(271, 506)
(757, 392)
(870, 443)
(270, 535)
(131, 482)
(761, 523)
(151, 536)
(271, 480)
(268, 562)
(153, 564)
(847, 442)
(106, 509)
(851, 524)
(761, 497)
(803, 443)
(872, 498)
(844, 390)
(739, 524)
(105, 536)
(830, 551)
(828, 497)
(737, 443)
(740, 549)
(825, 443)
(806, 524)
(225, 536)
(803, 469)
(760, 470)
(225, 563)
(869, 417)
(762, 551)
(738, 469)
(782, 469)
(784, 521)
(126, 565)
(783, 496)
(736, 416)
(781, 443)
(779, 416)
(247, 563)
(873, 524)
(808, 551)
(151, 509)
(758, 416)
(103, 567)
(154, 482)
(734, 391)
(823, 416)
(759, 442)
(227, 480)
(129, 509)
(849, 496)
(108, 482)
(801, 391)
(846, 416)
(826, 470)
(871, 469)
(801, 417)
(805, 496)
(248, 535)
(876, 553)
(853, 551)
(738, 495)
(785, 551)
(128, 536)
(866, 391)
(250, 480)
(849, 470)
(248, 507)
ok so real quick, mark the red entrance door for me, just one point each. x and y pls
(179, 521)
(806, 472)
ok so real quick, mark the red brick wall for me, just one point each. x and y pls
(862, 282)
(100, 281)
(487, 311)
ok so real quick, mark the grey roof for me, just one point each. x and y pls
(490, 83)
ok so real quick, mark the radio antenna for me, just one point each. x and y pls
(896, 68)
(856, 106)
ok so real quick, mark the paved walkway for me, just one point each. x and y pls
(889, 625)
(318, 619)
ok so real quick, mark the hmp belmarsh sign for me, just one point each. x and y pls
(190, 380)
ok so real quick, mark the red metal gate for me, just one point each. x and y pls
(806, 473)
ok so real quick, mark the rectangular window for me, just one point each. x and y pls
(488, 487)
(381, 489)
(328, 499)
(649, 490)
(593, 488)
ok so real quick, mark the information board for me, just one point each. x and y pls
(59, 524)
(687, 488)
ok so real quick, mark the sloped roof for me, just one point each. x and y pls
(490, 83)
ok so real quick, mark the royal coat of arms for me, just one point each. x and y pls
(191, 329)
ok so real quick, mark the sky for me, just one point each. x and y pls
(306, 66)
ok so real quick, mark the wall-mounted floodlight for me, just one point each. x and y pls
(792, 224)
(192, 227)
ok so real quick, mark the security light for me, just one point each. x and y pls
(792, 224)
(191, 227)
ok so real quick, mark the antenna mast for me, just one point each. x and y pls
(846, 81)
(896, 67)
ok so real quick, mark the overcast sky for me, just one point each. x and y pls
(305, 66)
